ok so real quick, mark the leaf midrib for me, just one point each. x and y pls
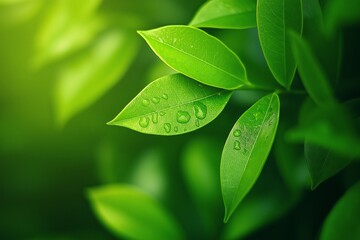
(171, 107)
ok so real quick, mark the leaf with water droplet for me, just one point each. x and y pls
(217, 66)
(189, 106)
(231, 14)
(239, 170)
(275, 19)
(132, 214)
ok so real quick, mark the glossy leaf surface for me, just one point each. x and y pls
(246, 150)
(322, 163)
(130, 213)
(312, 76)
(172, 105)
(274, 20)
(234, 14)
(343, 221)
(198, 55)
(87, 76)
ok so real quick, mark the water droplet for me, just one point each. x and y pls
(272, 120)
(197, 123)
(176, 129)
(237, 145)
(257, 115)
(167, 127)
(162, 113)
(155, 100)
(155, 117)
(144, 122)
(165, 96)
(182, 117)
(200, 110)
(145, 102)
(237, 133)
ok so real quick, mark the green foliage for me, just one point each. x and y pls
(246, 150)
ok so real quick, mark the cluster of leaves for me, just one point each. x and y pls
(293, 34)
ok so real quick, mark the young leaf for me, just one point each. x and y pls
(198, 55)
(171, 105)
(130, 213)
(87, 76)
(343, 221)
(322, 163)
(233, 14)
(311, 73)
(246, 150)
(274, 20)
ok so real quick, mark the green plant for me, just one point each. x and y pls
(293, 34)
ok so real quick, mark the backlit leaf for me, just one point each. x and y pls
(311, 73)
(246, 150)
(235, 14)
(274, 19)
(86, 77)
(172, 105)
(132, 214)
(322, 163)
(198, 55)
(343, 221)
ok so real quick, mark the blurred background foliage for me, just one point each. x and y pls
(68, 67)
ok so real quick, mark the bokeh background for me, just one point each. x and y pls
(66, 68)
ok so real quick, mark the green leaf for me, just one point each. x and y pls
(339, 13)
(86, 77)
(233, 14)
(172, 105)
(330, 127)
(198, 55)
(246, 150)
(343, 221)
(312, 76)
(322, 163)
(275, 19)
(130, 213)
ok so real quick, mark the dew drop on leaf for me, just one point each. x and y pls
(145, 102)
(237, 133)
(165, 96)
(183, 117)
(200, 110)
(167, 127)
(162, 113)
(155, 117)
(237, 145)
(144, 122)
(197, 122)
(176, 129)
(155, 100)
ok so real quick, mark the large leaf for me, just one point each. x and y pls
(198, 55)
(171, 105)
(130, 213)
(343, 221)
(246, 150)
(311, 73)
(86, 77)
(322, 163)
(235, 14)
(274, 19)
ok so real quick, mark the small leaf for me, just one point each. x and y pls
(233, 14)
(322, 163)
(275, 19)
(198, 55)
(130, 213)
(343, 221)
(246, 150)
(312, 76)
(172, 105)
(88, 76)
